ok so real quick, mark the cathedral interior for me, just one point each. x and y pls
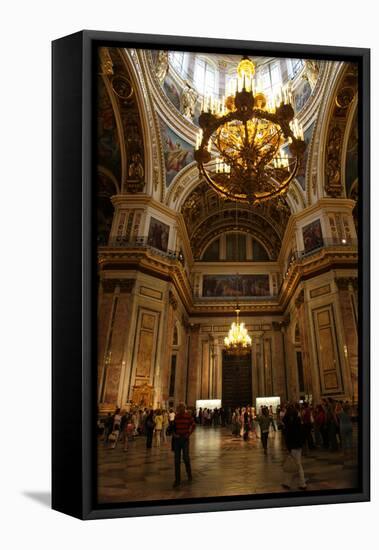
(176, 257)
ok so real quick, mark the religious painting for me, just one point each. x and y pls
(302, 94)
(172, 92)
(108, 145)
(312, 236)
(177, 152)
(300, 176)
(232, 286)
(351, 168)
(158, 234)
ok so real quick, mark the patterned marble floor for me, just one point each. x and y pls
(222, 465)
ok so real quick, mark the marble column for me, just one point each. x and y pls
(105, 304)
(310, 380)
(116, 339)
(279, 361)
(193, 365)
(291, 365)
(346, 300)
(258, 372)
(168, 333)
(181, 370)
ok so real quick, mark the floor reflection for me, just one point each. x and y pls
(222, 465)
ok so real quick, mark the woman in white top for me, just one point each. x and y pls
(158, 427)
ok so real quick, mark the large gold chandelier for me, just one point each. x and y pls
(238, 341)
(249, 145)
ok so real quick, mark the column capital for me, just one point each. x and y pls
(195, 328)
(172, 300)
(125, 285)
(344, 282)
(299, 301)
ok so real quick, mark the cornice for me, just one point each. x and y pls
(172, 271)
(131, 200)
(325, 203)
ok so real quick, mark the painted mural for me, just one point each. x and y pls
(171, 91)
(302, 94)
(303, 164)
(231, 286)
(351, 168)
(312, 236)
(105, 210)
(177, 152)
(108, 145)
(158, 234)
(131, 123)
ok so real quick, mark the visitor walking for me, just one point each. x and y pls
(128, 432)
(306, 417)
(294, 438)
(184, 425)
(264, 421)
(319, 425)
(332, 425)
(158, 427)
(346, 430)
(165, 424)
(108, 425)
(149, 429)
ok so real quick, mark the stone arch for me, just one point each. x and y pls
(350, 129)
(212, 227)
(324, 177)
(152, 146)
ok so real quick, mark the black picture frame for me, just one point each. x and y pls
(75, 284)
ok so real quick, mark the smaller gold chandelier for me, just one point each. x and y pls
(238, 341)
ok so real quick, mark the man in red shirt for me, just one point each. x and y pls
(184, 425)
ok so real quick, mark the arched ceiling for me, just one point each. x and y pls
(207, 215)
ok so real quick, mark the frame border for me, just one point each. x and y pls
(75, 290)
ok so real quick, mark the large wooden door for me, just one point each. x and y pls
(236, 380)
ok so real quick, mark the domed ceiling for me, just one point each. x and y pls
(192, 75)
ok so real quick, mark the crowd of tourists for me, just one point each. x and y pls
(123, 427)
(327, 425)
(155, 425)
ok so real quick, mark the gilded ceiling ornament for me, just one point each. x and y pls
(188, 102)
(344, 97)
(311, 71)
(333, 170)
(122, 87)
(162, 65)
(334, 186)
(106, 64)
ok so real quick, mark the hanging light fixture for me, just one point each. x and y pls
(238, 341)
(249, 145)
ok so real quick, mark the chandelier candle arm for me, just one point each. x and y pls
(249, 146)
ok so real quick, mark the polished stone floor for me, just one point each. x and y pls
(222, 465)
